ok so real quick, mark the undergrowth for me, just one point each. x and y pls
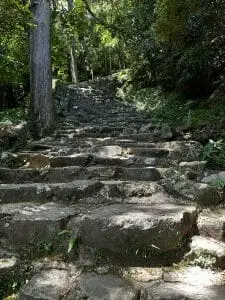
(206, 115)
(174, 109)
(14, 115)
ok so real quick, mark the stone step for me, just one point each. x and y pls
(86, 159)
(73, 283)
(71, 173)
(43, 192)
(91, 129)
(188, 151)
(96, 128)
(87, 191)
(127, 161)
(56, 284)
(32, 229)
(148, 137)
(132, 234)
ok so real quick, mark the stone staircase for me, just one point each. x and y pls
(110, 207)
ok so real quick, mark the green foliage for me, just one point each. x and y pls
(220, 183)
(14, 115)
(172, 17)
(73, 241)
(214, 153)
(162, 108)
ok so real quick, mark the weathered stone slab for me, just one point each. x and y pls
(137, 231)
(35, 192)
(147, 152)
(30, 227)
(108, 151)
(194, 276)
(200, 193)
(211, 223)
(64, 161)
(128, 189)
(155, 136)
(50, 175)
(215, 177)
(48, 285)
(67, 174)
(101, 287)
(181, 291)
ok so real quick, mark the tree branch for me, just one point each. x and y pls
(101, 21)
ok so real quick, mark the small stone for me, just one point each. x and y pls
(150, 161)
(7, 263)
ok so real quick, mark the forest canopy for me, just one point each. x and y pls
(175, 44)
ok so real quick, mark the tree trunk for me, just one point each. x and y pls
(73, 56)
(73, 62)
(42, 112)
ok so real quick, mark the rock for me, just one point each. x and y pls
(211, 223)
(150, 161)
(13, 136)
(144, 231)
(38, 161)
(215, 178)
(194, 276)
(208, 195)
(164, 132)
(101, 287)
(129, 131)
(185, 151)
(7, 263)
(146, 128)
(45, 192)
(200, 193)
(64, 161)
(193, 170)
(128, 189)
(147, 152)
(206, 252)
(30, 227)
(12, 270)
(48, 285)
(181, 291)
(108, 151)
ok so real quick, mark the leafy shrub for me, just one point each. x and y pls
(14, 115)
(214, 153)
